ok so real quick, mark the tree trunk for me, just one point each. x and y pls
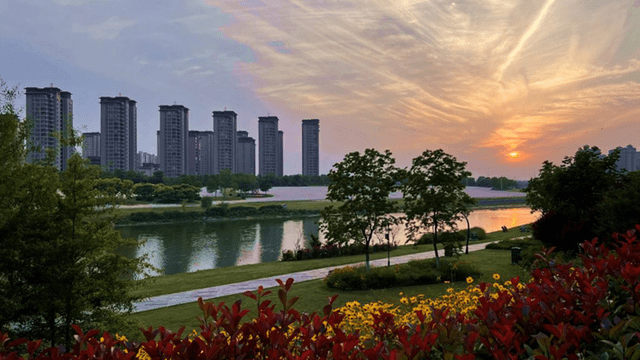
(435, 240)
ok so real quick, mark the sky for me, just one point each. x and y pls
(500, 84)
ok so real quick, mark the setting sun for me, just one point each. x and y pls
(513, 154)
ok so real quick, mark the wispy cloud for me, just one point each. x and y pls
(107, 30)
(500, 75)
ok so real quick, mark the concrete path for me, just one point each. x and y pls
(161, 301)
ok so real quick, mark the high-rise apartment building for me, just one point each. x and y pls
(172, 140)
(51, 111)
(91, 144)
(145, 158)
(119, 134)
(311, 147)
(280, 159)
(224, 141)
(268, 149)
(628, 158)
(200, 150)
(246, 154)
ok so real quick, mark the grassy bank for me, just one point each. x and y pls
(309, 206)
(313, 294)
(227, 275)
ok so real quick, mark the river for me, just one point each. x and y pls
(192, 246)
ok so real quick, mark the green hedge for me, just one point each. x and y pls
(428, 237)
(416, 272)
(508, 244)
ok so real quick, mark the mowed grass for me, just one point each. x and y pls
(310, 205)
(227, 275)
(314, 294)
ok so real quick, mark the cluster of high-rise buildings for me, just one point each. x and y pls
(629, 159)
(180, 151)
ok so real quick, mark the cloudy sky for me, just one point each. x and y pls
(480, 79)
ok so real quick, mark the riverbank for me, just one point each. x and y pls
(168, 284)
(240, 210)
(313, 293)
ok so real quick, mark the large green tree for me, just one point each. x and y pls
(434, 195)
(58, 259)
(361, 183)
(570, 195)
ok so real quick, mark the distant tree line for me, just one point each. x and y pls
(158, 177)
(495, 183)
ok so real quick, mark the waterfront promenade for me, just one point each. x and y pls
(161, 301)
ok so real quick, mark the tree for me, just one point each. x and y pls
(569, 196)
(58, 264)
(266, 182)
(362, 183)
(434, 195)
(227, 182)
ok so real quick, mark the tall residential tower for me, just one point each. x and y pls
(246, 154)
(224, 141)
(172, 140)
(269, 150)
(118, 143)
(51, 111)
(311, 147)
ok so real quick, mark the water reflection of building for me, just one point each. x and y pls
(271, 234)
(310, 227)
(229, 238)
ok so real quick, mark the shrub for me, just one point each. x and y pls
(415, 272)
(330, 250)
(206, 202)
(521, 243)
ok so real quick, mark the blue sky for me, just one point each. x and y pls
(481, 79)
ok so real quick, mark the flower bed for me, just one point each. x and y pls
(565, 312)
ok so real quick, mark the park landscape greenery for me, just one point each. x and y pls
(59, 239)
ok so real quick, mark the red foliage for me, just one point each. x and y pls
(566, 311)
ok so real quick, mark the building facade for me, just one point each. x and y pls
(628, 160)
(246, 154)
(51, 111)
(91, 145)
(200, 150)
(311, 147)
(173, 139)
(225, 125)
(268, 149)
(280, 169)
(118, 129)
(145, 158)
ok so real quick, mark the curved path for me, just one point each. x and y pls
(161, 301)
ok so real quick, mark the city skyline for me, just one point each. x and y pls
(501, 85)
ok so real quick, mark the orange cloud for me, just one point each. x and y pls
(499, 75)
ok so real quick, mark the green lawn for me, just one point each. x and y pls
(313, 294)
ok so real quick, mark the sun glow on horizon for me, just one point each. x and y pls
(514, 154)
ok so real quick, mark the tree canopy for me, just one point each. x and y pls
(434, 195)
(58, 264)
(570, 196)
(361, 183)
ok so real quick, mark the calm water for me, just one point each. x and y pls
(193, 246)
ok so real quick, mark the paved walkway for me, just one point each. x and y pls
(161, 301)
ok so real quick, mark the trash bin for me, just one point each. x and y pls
(516, 254)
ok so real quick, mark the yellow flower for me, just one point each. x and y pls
(496, 276)
(447, 281)
(469, 280)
